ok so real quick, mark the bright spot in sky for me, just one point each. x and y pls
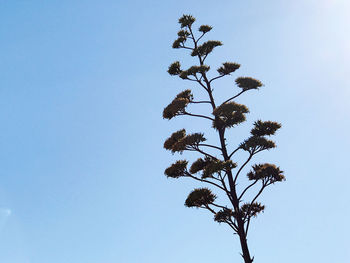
(5, 212)
(4, 215)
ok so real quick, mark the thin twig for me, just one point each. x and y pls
(204, 181)
(234, 97)
(234, 152)
(200, 151)
(208, 145)
(199, 101)
(240, 169)
(197, 115)
(245, 190)
(217, 78)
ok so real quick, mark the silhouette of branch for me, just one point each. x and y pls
(204, 181)
(232, 225)
(234, 97)
(200, 37)
(259, 193)
(200, 82)
(197, 115)
(234, 152)
(199, 101)
(196, 149)
(218, 77)
(183, 46)
(240, 169)
(222, 179)
(220, 206)
(247, 217)
(247, 226)
(187, 78)
(208, 145)
(245, 190)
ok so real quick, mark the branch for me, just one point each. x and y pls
(259, 193)
(204, 181)
(200, 101)
(200, 82)
(234, 152)
(200, 151)
(208, 145)
(205, 57)
(245, 190)
(183, 46)
(220, 206)
(203, 74)
(200, 37)
(249, 217)
(247, 227)
(240, 169)
(196, 115)
(211, 210)
(207, 154)
(234, 97)
(232, 225)
(222, 179)
(217, 78)
(191, 79)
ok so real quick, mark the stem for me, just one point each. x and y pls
(245, 190)
(197, 115)
(204, 181)
(208, 145)
(233, 97)
(199, 101)
(232, 193)
(240, 169)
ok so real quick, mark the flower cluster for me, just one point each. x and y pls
(227, 68)
(205, 28)
(186, 21)
(250, 210)
(223, 215)
(177, 169)
(229, 114)
(200, 197)
(179, 141)
(174, 138)
(270, 173)
(174, 68)
(178, 105)
(247, 83)
(193, 71)
(256, 143)
(181, 38)
(262, 128)
(210, 166)
(206, 48)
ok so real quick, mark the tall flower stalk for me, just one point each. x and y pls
(219, 171)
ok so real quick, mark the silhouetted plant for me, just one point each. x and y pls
(220, 173)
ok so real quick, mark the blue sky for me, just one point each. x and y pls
(82, 89)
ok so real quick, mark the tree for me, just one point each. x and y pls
(221, 174)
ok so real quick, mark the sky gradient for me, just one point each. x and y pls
(82, 89)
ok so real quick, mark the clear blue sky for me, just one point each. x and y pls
(82, 88)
